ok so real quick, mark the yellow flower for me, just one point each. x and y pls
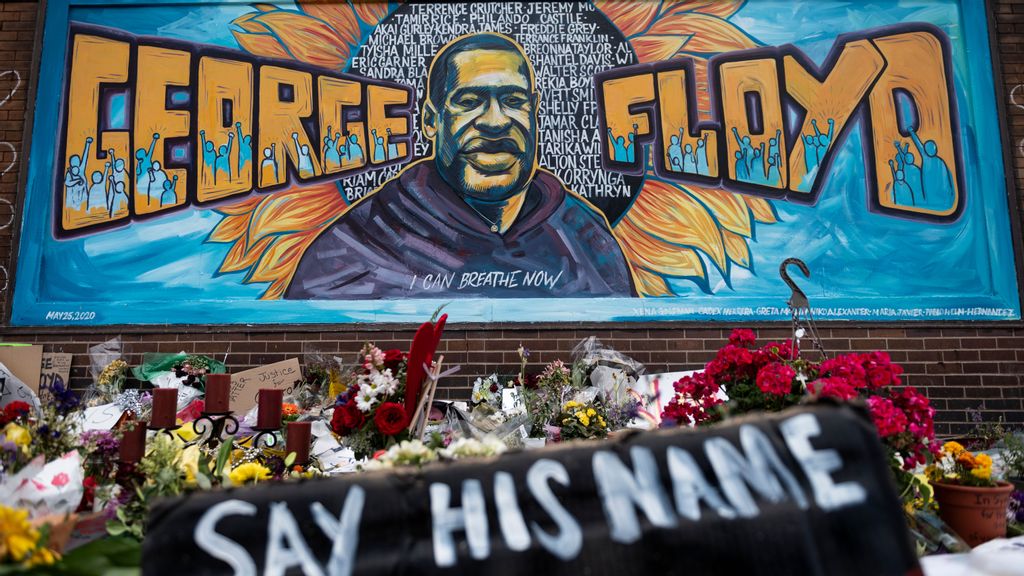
(250, 471)
(17, 434)
(583, 418)
(186, 432)
(19, 541)
(600, 422)
(591, 412)
(982, 472)
(953, 448)
(571, 404)
(983, 460)
(189, 463)
(965, 458)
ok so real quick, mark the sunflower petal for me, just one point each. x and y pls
(240, 258)
(762, 209)
(720, 8)
(666, 212)
(337, 15)
(631, 16)
(230, 229)
(657, 256)
(260, 44)
(649, 284)
(709, 34)
(737, 248)
(307, 39)
(728, 209)
(370, 11)
(296, 211)
(243, 207)
(651, 48)
(282, 258)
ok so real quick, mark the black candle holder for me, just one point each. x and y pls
(265, 436)
(210, 426)
(169, 430)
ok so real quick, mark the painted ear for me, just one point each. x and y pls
(429, 120)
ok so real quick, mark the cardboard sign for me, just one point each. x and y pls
(806, 491)
(245, 386)
(55, 365)
(12, 389)
(24, 361)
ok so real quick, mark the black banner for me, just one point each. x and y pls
(803, 492)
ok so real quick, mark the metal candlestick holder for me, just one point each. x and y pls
(211, 426)
(267, 437)
(164, 429)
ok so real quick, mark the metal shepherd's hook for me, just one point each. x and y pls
(800, 306)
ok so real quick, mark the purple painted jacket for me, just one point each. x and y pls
(416, 238)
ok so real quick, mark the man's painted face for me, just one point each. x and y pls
(486, 127)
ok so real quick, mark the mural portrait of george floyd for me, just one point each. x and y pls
(806, 491)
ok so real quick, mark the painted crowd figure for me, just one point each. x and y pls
(76, 191)
(622, 152)
(928, 185)
(305, 159)
(268, 166)
(687, 159)
(757, 165)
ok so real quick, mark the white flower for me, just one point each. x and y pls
(471, 447)
(365, 400)
(405, 453)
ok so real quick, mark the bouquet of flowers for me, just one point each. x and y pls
(957, 465)
(487, 391)
(579, 420)
(773, 376)
(371, 414)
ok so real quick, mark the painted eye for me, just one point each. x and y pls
(514, 101)
(467, 101)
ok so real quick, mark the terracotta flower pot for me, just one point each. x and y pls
(977, 514)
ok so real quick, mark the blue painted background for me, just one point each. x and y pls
(864, 266)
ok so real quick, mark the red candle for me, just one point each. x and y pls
(218, 393)
(298, 441)
(269, 415)
(165, 406)
(133, 442)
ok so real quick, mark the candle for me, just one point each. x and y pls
(165, 406)
(269, 415)
(218, 393)
(298, 441)
(133, 442)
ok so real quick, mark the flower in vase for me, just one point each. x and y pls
(391, 418)
(365, 400)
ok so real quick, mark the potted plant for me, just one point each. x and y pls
(970, 501)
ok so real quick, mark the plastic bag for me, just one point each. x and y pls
(108, 377)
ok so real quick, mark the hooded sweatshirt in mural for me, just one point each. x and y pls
(415, 237)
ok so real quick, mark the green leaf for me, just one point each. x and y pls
(223, 454)
(289, 460)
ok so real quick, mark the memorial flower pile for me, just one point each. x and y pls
(579, 420)
(371, 414)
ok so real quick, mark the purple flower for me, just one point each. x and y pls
(1015, 511)
(64, 399)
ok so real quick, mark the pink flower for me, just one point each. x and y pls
(742, 337)
(60, 480)
(833, 387)
(889, 419)
(776, 378)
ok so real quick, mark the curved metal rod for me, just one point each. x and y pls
(798, 299)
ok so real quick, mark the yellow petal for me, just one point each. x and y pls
(337, 15)
(728, 209)
(230, 229)
(651, 48)
(667, 212)
(240, 257)
(761, 209)
(296, 210)
(306, 39)
(655, 255)
(630, 16)
(737, 249)
(708, 34)
(649, 284)
(260, 44)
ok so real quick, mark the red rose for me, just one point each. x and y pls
(13, 411)
(346, 419)
(393, 359)
(390, 418)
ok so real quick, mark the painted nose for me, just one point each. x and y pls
(494, 118)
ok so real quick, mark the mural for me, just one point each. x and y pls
(225, 162)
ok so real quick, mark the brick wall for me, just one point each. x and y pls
(960, 367)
